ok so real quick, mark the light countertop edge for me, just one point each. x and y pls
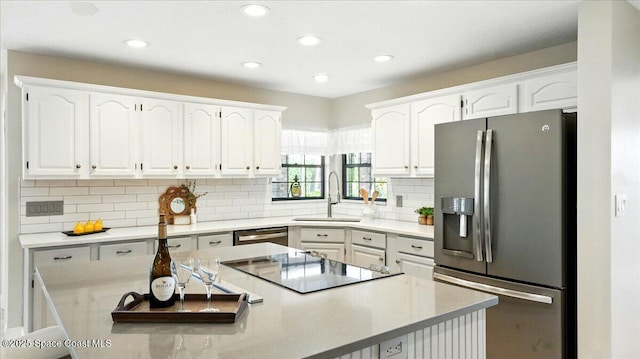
(54, 239)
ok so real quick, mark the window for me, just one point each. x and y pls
(308, 170)
(356, 174)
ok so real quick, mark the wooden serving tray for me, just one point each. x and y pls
(231, 307)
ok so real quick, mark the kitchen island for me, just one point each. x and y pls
(439, 320)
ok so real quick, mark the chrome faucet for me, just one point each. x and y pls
(329, 203)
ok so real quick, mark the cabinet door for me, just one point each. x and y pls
(491, 101)
(236, 140)
(391, 128)
(267, 143)
(55, 132)
(414, 265)
(551, 92)
(367, 257)
(424, 116)
(201, 140)
(333, 251)
(159, 129)
(113, 128)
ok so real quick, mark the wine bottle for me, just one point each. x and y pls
(161, 283)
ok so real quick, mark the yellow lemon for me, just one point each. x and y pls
(88, 227)
(79, 228)
(98, 225)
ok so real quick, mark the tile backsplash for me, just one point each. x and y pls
(130, 203)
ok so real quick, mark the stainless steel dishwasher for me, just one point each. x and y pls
(278, 235)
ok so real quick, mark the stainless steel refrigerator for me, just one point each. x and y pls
(505, 223)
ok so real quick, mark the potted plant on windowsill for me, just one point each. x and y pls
(425, 215)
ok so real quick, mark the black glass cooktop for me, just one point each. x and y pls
(303, 272)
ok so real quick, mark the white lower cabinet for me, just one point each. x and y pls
(333, 251)
(41, 315)
(412, 256)
(212, 241)
(413, 265)
(120, 250)
(367, 257)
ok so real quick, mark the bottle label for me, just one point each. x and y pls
(163, 288)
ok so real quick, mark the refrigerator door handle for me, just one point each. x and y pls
(493, 289)
(477, 222)
(487, 196)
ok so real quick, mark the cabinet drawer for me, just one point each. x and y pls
(211, 241)
(322, 235)
(63, 255)
(108, 251)
(370, 239)
(177, 244)
(418, 247)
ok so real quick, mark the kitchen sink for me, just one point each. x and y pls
(328, 219)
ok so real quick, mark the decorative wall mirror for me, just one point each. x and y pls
(176, 201)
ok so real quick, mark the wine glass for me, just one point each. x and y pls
(181, 269)
(208, 270)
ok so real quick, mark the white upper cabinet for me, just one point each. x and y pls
(55, 133)
(159, 127)
(201, 140)
(267, 131)
(113, 135)
(425, 115)
(491, 101)
(549, 92)
(391, 127)
(76, 130)
(237, 144)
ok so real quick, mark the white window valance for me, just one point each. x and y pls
(343, 140)
(304, 142)
(351, 139)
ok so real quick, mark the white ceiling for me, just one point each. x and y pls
(212, 38)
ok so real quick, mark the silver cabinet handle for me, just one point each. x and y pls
(62, 258)
(124, 252)
(175, 246)
(416, 247)
(322, 235)
(487, 196)
(493, 289)
(215, 243)
(366, 239)
(477, 225)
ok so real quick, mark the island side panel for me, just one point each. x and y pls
(461, 337)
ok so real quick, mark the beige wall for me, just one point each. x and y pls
(350, 110)
(608, 164)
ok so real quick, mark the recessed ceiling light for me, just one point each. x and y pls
(321, 77)
(251, 64)
(309, 40)
(383, 58)
(136, 43)
(255, 10)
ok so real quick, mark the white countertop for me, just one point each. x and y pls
(323, 324)
(53, 239)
